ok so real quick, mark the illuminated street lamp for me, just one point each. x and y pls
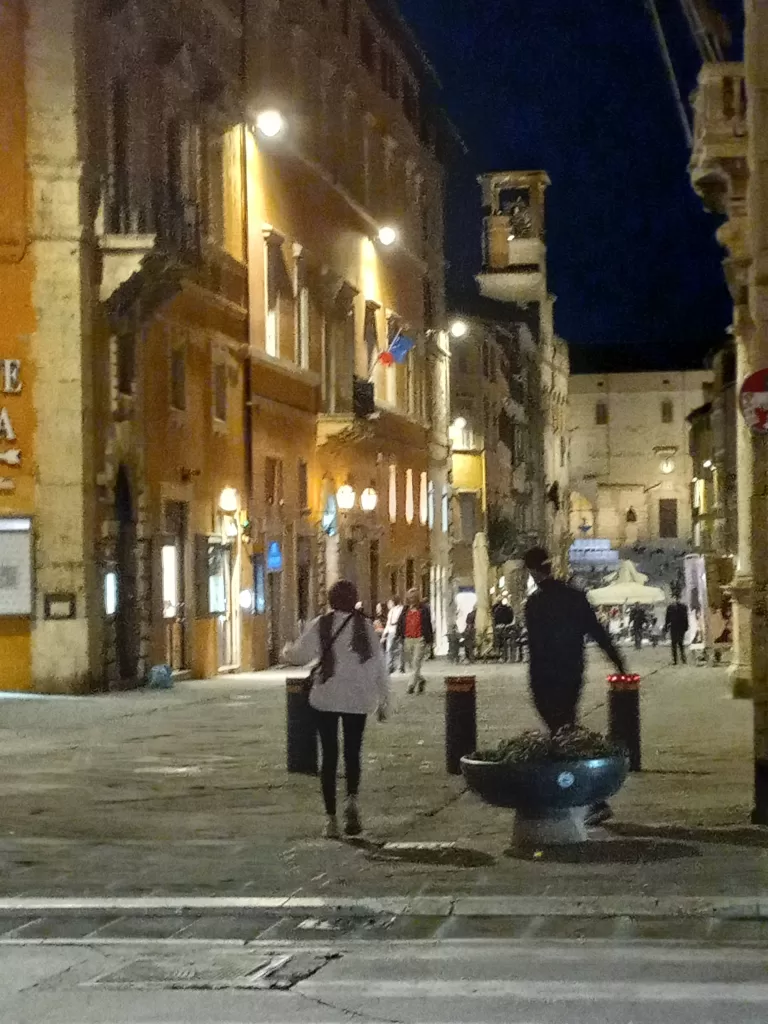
(387, 235)
(460, 423)
(345, 497)
(270, 123)
(459, 329)
(228, 500)
(369, 499)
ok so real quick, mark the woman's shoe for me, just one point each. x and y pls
(331, 830)
(352, 824)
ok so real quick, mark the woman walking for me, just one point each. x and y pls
(350, 681)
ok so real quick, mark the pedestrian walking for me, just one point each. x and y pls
(414, 629)
(380, 623)
(350, 681)
(470, 634)
(394, 645)
(676, 624)
(558, 618)
(637, 621)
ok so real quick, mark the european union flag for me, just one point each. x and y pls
(400, 348)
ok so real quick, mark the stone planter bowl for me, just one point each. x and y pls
(552, 798)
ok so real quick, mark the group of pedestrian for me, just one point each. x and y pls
(354, 659)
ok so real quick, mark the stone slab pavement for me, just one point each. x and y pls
(184, 793)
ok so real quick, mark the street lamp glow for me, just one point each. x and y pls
(229, 500)
(708, 464)
(369, 499)
(459, 329)
(460, 423)
(345, 497)
(270, 123)
(387, 235)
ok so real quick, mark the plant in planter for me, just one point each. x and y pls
(551, 781)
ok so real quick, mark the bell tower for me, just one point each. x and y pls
(514, 250)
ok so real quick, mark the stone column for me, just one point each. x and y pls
(756, 46)
(65, 653)
(740, 671)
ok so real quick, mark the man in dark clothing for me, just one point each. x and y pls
(558, 619)
(676, 624)
(503, 620)
(637, 620)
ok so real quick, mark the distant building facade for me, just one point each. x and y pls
(631, 468)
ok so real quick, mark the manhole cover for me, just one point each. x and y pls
(214, 971)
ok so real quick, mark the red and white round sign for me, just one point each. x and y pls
(753, 400)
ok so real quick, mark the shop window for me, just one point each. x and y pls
(601, 414)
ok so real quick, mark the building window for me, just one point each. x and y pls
(371, 334)
(273, 481)
(118, 214)
(303, 486)
(469, 512)
(392, 494)
(410, 574)
(220, 391)
(126, 359)
(178, 378)
(601, 414)
(409, 504)
(346, 17)
(302, 314)
(667, 411)
(668, 518)
(423, 500)
(445, 509)
(214, 204)
(410, 101)
(431, 505)
(277, 283)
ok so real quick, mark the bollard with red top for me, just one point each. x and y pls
(624, 715)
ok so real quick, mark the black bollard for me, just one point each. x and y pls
(624, 715)
(301, 733)
(460, 721)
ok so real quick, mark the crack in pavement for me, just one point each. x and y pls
(352, 1014)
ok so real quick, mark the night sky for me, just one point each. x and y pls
(577, 87)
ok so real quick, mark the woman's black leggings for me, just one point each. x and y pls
(353, 727)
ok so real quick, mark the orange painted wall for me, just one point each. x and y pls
(18, 319)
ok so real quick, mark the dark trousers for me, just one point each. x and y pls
(678, 645)
(353, 727)
(556, 713)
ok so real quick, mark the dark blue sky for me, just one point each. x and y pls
(577, 87)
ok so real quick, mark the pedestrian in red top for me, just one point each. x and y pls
(414, 629)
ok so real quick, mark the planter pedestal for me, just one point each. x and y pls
(555, 828)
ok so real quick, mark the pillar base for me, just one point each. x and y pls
(559, 828)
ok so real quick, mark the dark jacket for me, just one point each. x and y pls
(676, 621)
(559, 618)
(427, 632)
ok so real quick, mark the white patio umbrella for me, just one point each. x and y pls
(628, 587)
(481, 572)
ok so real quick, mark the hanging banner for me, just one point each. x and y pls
(753, 401)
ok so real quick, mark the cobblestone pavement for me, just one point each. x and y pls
(185, 792)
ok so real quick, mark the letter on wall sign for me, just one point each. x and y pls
(11, 376)
(6, 427)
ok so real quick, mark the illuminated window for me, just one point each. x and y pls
(302, 314)
(445, 509)
(431, 505)
(392, 494)
(272, 276)
(423, 500)
(409, 509)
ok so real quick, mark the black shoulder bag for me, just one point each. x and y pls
(317, 676)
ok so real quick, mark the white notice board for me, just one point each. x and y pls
(15, 566)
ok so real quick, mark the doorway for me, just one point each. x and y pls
(174, 558)
(126, 618)
(303, 581)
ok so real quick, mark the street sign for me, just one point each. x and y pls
(753, 401)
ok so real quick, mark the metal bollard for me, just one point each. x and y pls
(460, 721)
(624, 715)
(301, 733)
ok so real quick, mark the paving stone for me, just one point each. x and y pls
(313, 928)
(403, 929)
(234, 928)
(673, 929)
(576, 927)
(496, 927)
(146, 927)
(738, 931)
(62, 927)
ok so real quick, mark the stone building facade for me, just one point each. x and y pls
(631, 467)
(195, 312)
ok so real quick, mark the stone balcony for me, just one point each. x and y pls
(718, 165)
